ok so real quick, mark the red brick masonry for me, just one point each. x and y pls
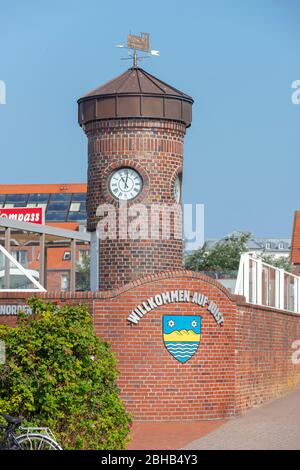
(154, 148)
(240, 364)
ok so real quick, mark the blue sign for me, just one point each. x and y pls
(182, 335)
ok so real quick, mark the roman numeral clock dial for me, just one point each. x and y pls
(125, 184)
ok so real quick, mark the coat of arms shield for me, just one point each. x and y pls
(182, 335)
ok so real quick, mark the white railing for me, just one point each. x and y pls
(14, 267)
(263, 284)
(10, 229)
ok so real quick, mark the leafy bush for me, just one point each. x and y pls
(58, 374)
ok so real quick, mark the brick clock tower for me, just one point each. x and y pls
(135, 125)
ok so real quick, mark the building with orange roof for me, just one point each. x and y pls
(64, 206)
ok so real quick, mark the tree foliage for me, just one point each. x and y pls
(83, 272)
(223, 256)
(280, 262)
(58, 374)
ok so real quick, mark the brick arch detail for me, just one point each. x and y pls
(173, 274)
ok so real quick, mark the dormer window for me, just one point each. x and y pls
(67, 256)
(268, 246)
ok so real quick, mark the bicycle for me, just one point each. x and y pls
(31, 438)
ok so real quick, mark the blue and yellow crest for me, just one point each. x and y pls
(182, 335)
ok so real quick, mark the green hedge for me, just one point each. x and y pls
(59, 374)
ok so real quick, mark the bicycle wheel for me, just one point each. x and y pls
(37, 442)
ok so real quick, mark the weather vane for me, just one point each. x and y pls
(138, 43)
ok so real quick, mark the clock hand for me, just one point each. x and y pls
(124, 181)
(126, 185)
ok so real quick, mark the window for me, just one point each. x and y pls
(58, 206)
(64, 197)
(67, 256)
(64, 282)
(75, 216)
(280, 246)
(2, 197)
(268, 246)
(17, 198)
(75, 206)
(79, 197)
(36, 198)
(56, 216)
(21, 256)
(9, 206)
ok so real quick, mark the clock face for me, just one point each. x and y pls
(177, 189)
(125, 184)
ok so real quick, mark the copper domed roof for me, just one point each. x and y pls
(135, 94)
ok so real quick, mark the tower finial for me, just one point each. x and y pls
(138, 43)
(134, 58)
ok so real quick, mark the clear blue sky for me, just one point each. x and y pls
(237, 58)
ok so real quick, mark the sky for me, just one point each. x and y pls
(236, 58)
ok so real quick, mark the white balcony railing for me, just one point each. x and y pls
(263, 284)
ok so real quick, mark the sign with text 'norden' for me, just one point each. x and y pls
(33, 215)
(8, 309)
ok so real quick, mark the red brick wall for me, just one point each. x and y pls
(154, 385)
(264, 368)
(241, 364)
(155, 149)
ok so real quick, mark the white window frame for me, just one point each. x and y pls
(39, 287)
